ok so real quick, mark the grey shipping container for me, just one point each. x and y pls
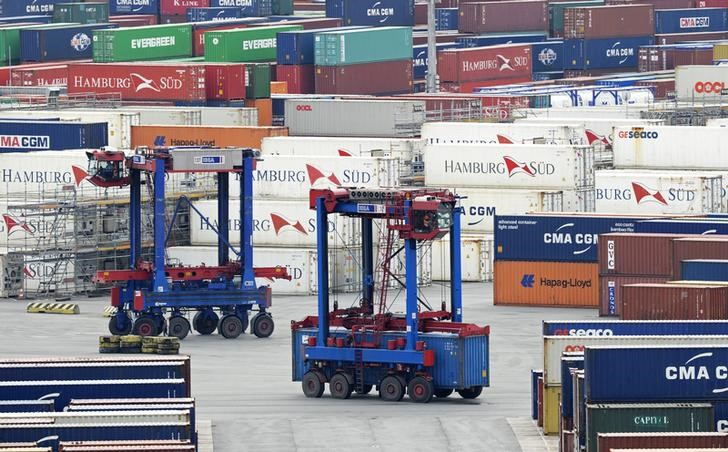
(355, 117)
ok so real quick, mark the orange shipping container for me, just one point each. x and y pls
(546, 284)
(279, 87)
(249, 137)
(265, 110)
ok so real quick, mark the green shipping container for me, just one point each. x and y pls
(257, 81)
(556, 14)
(156, 42)
(82, 13)
(367, 45)
(10, 42)
(244, 45)
(648, 418)
(282, 7)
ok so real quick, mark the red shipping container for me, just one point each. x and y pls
(383, 77)
(609, 22)
(225, 81)
(133, 20)
(663, 87)
(610, 291)
(636, 254)
(674, 38)
(505, 16)
(702, 247)
(711, 3)
(661, 440)
(140, 81)
(43, 76)
(420, 37)
(470, 87)
(173, 19)
(674, 302)
(6, 71)
(300, 78)
(683, 56)
(420, 13)
(509, 61)
(657, 4)
(179, 7)
(305, 6)
(653, 58)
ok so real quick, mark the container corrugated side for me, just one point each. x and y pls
(662, 440)
(551, 410)
(556, 14)
(636, 254)
(690, 20)
(72, 42)
(701, 82)
(674, 302)
(10, 8)
(140, 431)
(503, 16)
(603, 53)
(383, 13)
(142, 43)
(705, 269)
(693, 417)
(686, 226)
(514, 133)
(615, 327)
(568, 365)
(358, 79)
(22, 136)
(611, 294)
(215, 136)
(95, 370)
(244, 45)
(536, 374)
(84, 13)
(367, 45)
(134, 7)
(476, 259)
(698, 248)
(609, 21)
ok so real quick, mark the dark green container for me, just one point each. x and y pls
(363, 45)
(155, 42)
(556, 14)
(10, 42)
(648, 418)
(257, 81)
(245, 44)
(282, 7)
(82, 13)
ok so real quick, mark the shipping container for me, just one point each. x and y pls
(655, 58)
(434, 133)
(199, 29)
(686, 417)
(134, 7)
(10, 8)
(446, 19)
(378, 78)
(23, 136)
(690, 20)
(142, 43)
(297, 47)
(93, 417)
(698, 82)
(597, 129)
(354, 118)
(214, 14)
(711, 4)
(697, 248)
(692, 55)
(10, 41)
(602, 386)
(655, 192)
(377, 13)
(704, 269)
(26, 406)
(257, 81)
(179, 8)
(54, 433)
(611, 295)
(214, 136)
(173, 116)
(248, 7)
(596, 22)
(244, 45)
(534, 166)
(637, 254)
(485, 63)
(83, 13)
(601, 327)
(536, 374)
(556, 14)
(658, 147)
(701, 226)
(603, 53)
(689, 371)
(673, 302)
(403, 149)
(508, 15)
(476, 258)
(42, 76)
(675, 38)
(368, 45)
(551, 411)
(64, 42)
(133, 20)
(225, 82)
(183, 82)
(546, 284)
(301, 79)
(568, 365)
(420, 59)
(662, 440)
(492, 39)
(547, 56)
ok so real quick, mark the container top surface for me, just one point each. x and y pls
(165, 381)
(708, 261)
(131, 401)
(715, 238)
(617, 406)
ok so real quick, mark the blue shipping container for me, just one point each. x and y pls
(72, 42)
(634, 327)
(704, 270)
(31, 19)
(535, 375)
(51, 434)
(548, 56)
(419, 58)
(213, 14)
(22, 136)
(493, 39)
(26, 406)
(149, 7)
(554, 238)
(148, 370)
(446, 19)
(581, 54)
(374, 13)
(567, 383)
(707, 226)
(249, 8)
(10, 8)
(297, 47)
(655, 374)
(540, 76)
(692, 20)
(721, 416)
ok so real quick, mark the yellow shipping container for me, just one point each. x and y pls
(551, 409)
(720, 52)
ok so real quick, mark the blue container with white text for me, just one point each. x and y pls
(581, 328)
(30, 19)
(27, 7)
(493, 39)
(297, 47)
(419, 58)
(684, 226)
(248, 8)
(71, 42)
(23, 136)
(146, 7)
(691, 20)
(373, 13)
(547, 56)
(213, 14)
(581, 54)
(556, 238)
(704, 270)
(446, 19)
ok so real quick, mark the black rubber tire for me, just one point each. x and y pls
(145, 326)
(420, 389)
(341, 386)
(205, 322)
(119, 332)
(178, 327)
(391, 388)
(230, 326)
(263, 325)
(313, 384)
(470, 393)
(366, 389)
(443, 393)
